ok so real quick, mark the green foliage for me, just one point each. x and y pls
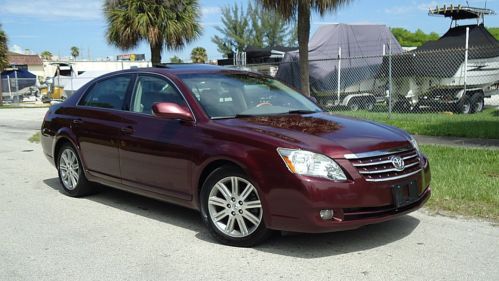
(161, 23)
(4, 62)
(46, 55)
(176, 59)
(199, 55)
(252, 26)
(407, 38)
(75, 52)
(494, 31)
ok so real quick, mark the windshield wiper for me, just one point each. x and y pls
(301, 111)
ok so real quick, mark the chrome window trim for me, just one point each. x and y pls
(98, 79)
(171, 82)
(376, 153)
(395, 178)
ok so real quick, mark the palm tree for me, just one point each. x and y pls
(176, 59)
(75, 52)
(46, 55)
(4, 62)
(291, 9)
(162, 23)
(199, 55)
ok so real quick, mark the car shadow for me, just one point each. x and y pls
(307, 246)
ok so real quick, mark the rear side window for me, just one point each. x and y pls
(109, 93)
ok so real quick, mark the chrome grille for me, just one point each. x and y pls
(377, 166)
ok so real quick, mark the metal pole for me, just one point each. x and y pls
(466, 58)
(339, 74)
(16, 98)
(390, 79)
(8, 86)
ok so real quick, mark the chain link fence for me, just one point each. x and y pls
(461, 81)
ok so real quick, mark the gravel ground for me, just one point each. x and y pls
(113, 235)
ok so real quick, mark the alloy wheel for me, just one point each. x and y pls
(69, 169)
(234, 207)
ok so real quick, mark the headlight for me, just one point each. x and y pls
(311, 164)
(414, 143)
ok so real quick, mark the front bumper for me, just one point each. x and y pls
(355, 203)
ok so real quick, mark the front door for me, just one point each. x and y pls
(156, 154)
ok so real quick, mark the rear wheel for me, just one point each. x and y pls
(464, 105)
(477, 102)
(368, 105)
(71, 175)
(231, 208)
(353, 105)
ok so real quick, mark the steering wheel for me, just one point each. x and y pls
(263, 104)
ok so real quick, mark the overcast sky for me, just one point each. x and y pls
(56, 25)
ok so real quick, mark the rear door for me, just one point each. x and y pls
(156, 155)
(98, 125)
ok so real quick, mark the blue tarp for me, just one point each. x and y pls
(25, 79)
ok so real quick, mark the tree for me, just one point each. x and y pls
(75, 52)
(199, 55)
(4, 61)
(161, 23)
(46, 55)
(251, 26)
(176, 59)
(494, 31)
(235, 29)
(407, 38)
(300, 10)
(269, 28)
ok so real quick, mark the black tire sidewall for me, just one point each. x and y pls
(258, 236)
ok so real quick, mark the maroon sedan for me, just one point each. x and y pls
(250, 153)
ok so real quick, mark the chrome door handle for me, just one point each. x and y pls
(127, 130)
(77, 121)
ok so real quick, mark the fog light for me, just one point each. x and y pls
(326, 214)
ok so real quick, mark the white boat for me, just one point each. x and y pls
(456, 72)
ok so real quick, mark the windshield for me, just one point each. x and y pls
(237, 95)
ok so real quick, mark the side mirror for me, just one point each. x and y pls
(170, 110)
(313, 99)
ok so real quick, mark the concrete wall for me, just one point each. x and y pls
(95, 66)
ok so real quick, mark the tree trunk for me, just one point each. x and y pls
(303, 37)
(155, 54)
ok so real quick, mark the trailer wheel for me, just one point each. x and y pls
(402, 106)
(368, 104)
(464, 105)
(477, 102)
(353, 105)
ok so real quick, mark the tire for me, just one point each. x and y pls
(368, 105)
(231, 208)
(402, 106)
(71, 175)
(353, 105)
(477, 103)
(464, 105)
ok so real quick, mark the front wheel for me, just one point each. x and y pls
(232, 209)
(464, 105)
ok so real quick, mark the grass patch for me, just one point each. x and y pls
(10, 106)
(465, 181)
(35, 138)
(480, 125)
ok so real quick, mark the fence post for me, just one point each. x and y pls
(466, 58)
(339, 75)
(16, 98)
(390, 79)
(8, 86)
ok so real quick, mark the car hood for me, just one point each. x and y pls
(323, 132)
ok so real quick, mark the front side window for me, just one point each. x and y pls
(150, 90)
(108, 93)
(232, 95)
